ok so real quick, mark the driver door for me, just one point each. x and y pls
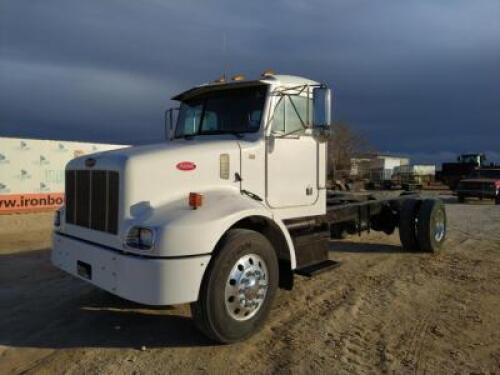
(292, 156)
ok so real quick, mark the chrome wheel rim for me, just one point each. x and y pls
(246, 287)
(439, 226)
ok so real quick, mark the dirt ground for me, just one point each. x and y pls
(382, 311)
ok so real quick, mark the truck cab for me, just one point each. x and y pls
(276, 155)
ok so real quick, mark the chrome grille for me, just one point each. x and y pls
(92, 199)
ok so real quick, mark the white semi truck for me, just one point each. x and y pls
(228, 209)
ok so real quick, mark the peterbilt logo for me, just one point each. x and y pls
(89, 162)
(186, 166)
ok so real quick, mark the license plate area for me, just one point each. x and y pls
(84, 269)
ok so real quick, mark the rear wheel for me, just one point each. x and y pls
(431, 225)
(461, 198)
(238, 289)
(407, 224)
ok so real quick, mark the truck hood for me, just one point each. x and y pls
(153, 175)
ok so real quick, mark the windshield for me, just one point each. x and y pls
(230, 111)
(485, 173)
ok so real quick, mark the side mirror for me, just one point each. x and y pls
(322, 107)
(170, 122)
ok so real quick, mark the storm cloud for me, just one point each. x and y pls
(417, 77)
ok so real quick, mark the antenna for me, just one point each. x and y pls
(224, 54)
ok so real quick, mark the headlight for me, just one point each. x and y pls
(140, 238)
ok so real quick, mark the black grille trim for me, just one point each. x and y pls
(70, 196)
(98, 201)
(82, 199)
(112, 202)
(92, 199)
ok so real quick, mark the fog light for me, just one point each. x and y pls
(140, 238)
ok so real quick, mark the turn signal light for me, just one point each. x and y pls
(195, 200)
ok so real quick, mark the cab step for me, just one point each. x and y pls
(317, 268)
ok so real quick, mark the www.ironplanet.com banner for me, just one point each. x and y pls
(32, 171)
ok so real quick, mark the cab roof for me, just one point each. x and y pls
(275, 80)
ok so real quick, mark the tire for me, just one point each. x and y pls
(338, 232)
(461, 198)
(385, 221)
(431, 225)
(407, 225)
(497, 199)
(213, 314)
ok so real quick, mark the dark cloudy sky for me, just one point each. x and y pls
(418, 77)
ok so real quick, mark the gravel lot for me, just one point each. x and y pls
(383, 310)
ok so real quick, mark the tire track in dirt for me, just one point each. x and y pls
(332, 326)
(307, 308)
(364, 345)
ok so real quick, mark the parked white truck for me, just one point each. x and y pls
(225, 211)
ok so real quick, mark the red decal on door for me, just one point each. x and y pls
(186, 166)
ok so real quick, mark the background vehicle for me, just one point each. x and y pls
(482, 183)
(226, 211)
(452, 173)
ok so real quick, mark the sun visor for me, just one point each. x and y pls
(199, 90)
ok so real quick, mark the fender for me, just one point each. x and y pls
(182, 231)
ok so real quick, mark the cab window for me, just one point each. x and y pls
(190, 118)
(290, 115)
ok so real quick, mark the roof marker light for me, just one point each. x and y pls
(221, 79)
(238, 77)
(268, 73)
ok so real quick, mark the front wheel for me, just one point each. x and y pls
(238, 289)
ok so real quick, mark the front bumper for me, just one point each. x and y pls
(476, 193)
(151, 281)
